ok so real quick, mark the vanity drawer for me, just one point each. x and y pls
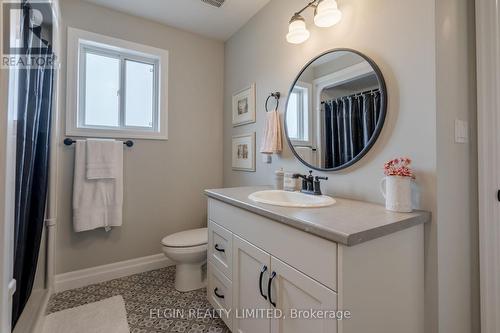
(314, 256)
(220, 248)
(220, 293)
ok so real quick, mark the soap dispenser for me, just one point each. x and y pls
(279, 179)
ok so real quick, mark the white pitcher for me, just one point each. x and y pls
(397, 193)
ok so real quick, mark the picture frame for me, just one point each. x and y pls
(243, 106)
(243, 152)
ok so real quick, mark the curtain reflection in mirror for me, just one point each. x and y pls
(349, 125)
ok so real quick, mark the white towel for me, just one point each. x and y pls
(271, 141)
(102, 159)
(97, 203)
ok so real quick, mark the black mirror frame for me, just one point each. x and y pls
(378, 129)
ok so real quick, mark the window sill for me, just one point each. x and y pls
(116, 134)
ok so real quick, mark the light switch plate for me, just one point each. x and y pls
(461, 131)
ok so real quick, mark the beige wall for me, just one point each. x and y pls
(457, 197)
(164, 180)
(403, 38)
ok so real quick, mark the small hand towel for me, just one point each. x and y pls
(97, 203)
(272, 141)
(102, 160)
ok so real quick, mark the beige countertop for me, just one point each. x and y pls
(348, 222)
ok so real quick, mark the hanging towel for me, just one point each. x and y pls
(97, 203)
(271, 141)
(102, 159)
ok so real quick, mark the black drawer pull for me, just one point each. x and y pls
(269, 286)
(264, 269)
(219, 249)
(217, 293)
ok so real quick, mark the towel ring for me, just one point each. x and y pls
(276, 96)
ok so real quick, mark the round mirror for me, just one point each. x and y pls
(336, 109)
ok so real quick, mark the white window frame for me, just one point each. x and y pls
(305, 88)
(79, 43)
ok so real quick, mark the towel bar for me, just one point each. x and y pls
(69, 142)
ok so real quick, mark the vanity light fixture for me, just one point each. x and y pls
(297, 30)
(326, 14)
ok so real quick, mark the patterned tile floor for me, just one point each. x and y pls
(152, 303)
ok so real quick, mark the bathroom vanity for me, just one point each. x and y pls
(352, 260)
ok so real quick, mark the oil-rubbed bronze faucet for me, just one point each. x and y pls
(310, 184)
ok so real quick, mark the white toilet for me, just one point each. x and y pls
(188, 249)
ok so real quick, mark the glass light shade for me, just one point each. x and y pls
(297, 32)
(327, 14)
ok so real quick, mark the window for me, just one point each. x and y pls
(299, 116)
(119, 89)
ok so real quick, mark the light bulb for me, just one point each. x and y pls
(327, 14)
(297, 30)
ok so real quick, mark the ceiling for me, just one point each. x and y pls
(191, 15)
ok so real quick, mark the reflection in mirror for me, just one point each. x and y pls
(298, 120)
(335, 110)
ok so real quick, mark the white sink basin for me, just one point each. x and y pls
(291, 199)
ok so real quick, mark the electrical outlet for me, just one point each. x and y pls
(267, 158)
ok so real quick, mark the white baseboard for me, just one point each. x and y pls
(88, 276)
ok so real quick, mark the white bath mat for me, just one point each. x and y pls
(106, 316)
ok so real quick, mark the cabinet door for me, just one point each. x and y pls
(291, 290)
(250, 268)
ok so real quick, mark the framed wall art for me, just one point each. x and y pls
(243, 152)
(244, 106)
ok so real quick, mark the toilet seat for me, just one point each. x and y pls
(187, 239)
(175, 252)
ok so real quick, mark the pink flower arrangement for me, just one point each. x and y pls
(399, 167)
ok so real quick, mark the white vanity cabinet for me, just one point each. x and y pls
(271, 277)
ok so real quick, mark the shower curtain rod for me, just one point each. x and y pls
(356, 94)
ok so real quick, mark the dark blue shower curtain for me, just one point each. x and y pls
(32, 163)
(332, 139)
(329, 114)
(350, 122)
(369, 118)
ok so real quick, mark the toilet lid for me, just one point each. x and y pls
(187, 238)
